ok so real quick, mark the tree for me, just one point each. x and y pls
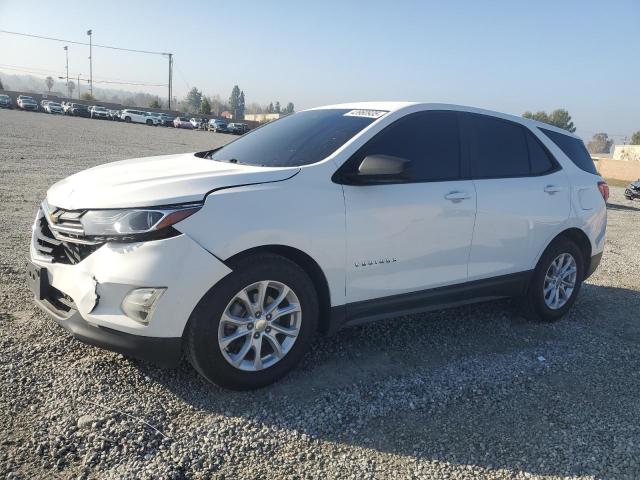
(288, 109)
(600, 143)
(236, 103)
(1, 85)
(270, 108)
(205, 106)
(539, 116)
(71, 86)
(276, 109)
(559, 118)
(87, 96)
(241, 106)
(635, 138)
(193, 99)
(253, 108)
(155, 103)
(49, 83)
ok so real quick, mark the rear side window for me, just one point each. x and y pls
(574, 149)
(538, 156)
(500, 148)
(429, 140)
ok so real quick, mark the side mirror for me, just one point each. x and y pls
(378, 169)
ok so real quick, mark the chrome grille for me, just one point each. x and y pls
(58, 238)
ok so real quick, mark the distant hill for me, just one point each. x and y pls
(33, 84)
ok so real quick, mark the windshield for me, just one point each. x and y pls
(100, 109)
(299, 139)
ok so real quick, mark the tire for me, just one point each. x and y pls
(127, 119)
(535, 307)
(202, 332)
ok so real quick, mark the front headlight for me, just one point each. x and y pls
(127, 222)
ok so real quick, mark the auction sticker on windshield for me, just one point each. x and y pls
(366, 113)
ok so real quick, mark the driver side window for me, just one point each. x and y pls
(430, 140)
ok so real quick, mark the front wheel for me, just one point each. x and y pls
(254, 326)
(556, 282)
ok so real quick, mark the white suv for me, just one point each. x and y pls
(139, 116)
(330, 217)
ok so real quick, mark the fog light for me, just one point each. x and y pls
(139, 304)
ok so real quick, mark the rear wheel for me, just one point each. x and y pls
(255, 325)
(556, 282)
(127, 119)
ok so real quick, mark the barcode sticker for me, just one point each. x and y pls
(365, 113)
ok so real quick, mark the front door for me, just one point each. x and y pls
(413, 234)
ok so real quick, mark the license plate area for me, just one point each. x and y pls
(37, 280)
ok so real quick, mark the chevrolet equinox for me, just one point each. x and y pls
(236, 257)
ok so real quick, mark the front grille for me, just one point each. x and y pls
(66, 245)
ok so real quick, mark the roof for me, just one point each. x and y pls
(396, 106)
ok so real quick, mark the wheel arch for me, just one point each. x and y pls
(309, 265)
(580, 238)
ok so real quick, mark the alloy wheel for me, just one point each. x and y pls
(260, 325)
(560, 281)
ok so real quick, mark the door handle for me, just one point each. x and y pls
(457, 196)
(551, 189)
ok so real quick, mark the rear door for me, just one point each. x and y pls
(522, 196)
(413, 234)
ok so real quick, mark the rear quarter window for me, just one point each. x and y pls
(574, 149)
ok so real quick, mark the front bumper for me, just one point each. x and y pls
(165, 352)
(98, 284)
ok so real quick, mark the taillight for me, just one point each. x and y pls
(604, 190)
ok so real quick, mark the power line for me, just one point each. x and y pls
(114, 82)
(82, 43)
(43, 71)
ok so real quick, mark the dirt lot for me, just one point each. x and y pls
(475, 392)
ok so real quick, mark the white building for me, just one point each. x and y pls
(627, 152)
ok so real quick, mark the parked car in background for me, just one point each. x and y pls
(633, 190)
(218, 126)
(182, 122)
(26, 102)
(135, 116)
(53, 107)
(166, 119)
(5, 101)
(154, 117)
(43, 104)
(114, 115)
(78, 110)
(400, 208)
(99, 112)
(195, 122)
(238, 128)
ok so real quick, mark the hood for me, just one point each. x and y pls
(154, 181)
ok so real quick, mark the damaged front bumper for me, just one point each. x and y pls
(86, 298)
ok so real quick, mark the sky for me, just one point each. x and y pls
(510, 56)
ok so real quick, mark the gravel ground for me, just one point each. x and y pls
(474, 392)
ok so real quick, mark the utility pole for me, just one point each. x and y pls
(79, 86)
(66, 51)
(170, 77)
(89, 32)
